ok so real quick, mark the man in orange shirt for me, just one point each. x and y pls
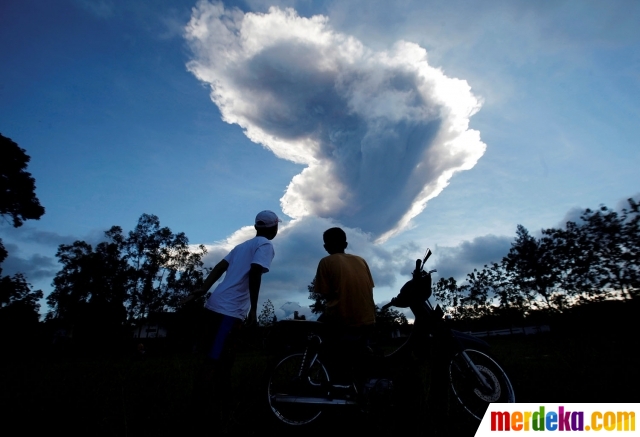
(345, 282)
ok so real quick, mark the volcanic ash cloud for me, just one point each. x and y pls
(379, 133)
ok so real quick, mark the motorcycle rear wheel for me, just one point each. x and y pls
(285, 380)
(467, 389)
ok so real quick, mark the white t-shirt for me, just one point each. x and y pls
(231, 296)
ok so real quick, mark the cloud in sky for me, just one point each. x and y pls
(34, 267)
(30, 234)
(460, 260)
(379, 132)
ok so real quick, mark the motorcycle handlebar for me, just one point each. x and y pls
(421, 262)
(416, 274)
(427, 254)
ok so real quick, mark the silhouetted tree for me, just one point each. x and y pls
(593, 259)
(319, 302)
(631, 239)
(574, 260)
(19, 317)
(532, 266)
(18, 201)
(511, 303)
(390, 318)
(18, 198)
(267, 316)
(149, 271)
(90, 291)
(3, 254)
(597, 257)
(18, 301)
(166, 270)
(389, 322)
(447, 293)
(72, 284)
(477, 294)
(617, 265)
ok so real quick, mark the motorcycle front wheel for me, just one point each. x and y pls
(286, 381)
(469, 391)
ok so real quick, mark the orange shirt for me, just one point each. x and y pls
(346, 283)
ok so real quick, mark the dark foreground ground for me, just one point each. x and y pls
(592, 361)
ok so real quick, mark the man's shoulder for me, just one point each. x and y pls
(342, 258)
(328, 261)
(250, 246)
(254, 242)
(352, 257)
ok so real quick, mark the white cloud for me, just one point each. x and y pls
(380, 132)
(460, 260)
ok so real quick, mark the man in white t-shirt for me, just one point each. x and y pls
(237, 294)
(233, 301)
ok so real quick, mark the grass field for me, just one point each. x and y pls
(150, 397)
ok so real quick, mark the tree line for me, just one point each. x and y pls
(130, 276)
(126, 278)
(120, 281)
(593, 259)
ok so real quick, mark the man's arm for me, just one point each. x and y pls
(215, 274)
(322, 283)
(211, 279)
(255, 279)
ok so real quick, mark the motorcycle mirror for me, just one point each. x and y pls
(427, 254)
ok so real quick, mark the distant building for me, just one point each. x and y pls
(157, 325)
(150, 331)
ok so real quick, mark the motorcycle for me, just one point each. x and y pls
(301, 386)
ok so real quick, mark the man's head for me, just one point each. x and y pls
(267, 224)
(335, 240)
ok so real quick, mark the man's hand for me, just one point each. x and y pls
(194, 294)
(252, 319)
(211, 279)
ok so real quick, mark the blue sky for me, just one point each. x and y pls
(412, 124)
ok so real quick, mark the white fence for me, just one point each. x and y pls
(528, 330)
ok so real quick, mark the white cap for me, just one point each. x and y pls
(267, 219)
